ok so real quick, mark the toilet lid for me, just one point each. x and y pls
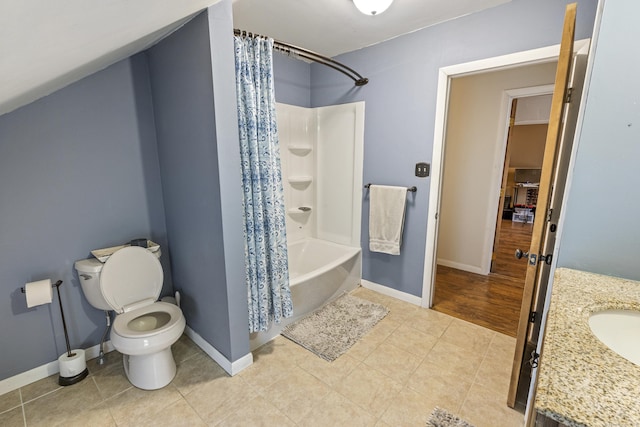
(132, 274)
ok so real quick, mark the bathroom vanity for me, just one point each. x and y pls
(582, 381)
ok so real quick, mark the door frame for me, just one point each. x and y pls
(445, 74)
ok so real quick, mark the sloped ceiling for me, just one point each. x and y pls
(48, 44)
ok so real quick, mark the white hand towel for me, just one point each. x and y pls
(386, 218)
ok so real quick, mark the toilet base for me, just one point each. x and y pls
(150, 371)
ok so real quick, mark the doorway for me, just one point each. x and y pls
(528, 123)
(474, 159)
(555, 166)
(447, 75)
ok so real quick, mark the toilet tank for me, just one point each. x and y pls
(89, 275)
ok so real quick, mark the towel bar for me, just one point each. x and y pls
(412, 189)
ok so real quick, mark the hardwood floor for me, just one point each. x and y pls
(492, 301)
(513, 235)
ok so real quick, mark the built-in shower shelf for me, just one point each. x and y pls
(303, 210)
(300, 179)
(300, 149)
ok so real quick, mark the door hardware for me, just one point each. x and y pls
(532, 316)
(535, 259)
(568, 94)
(519, 254)
(534, 359)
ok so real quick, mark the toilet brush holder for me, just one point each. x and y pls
(73, 365)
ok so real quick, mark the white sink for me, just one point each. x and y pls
(619, 330)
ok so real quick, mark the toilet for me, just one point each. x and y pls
(130, 282)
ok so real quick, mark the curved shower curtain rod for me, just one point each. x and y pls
(290, 49)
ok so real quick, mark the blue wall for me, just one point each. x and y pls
(81, 169)
(292, 80)
(400, 106)
(203, 219)
(78, 171)
(600, 231)
(222, 53)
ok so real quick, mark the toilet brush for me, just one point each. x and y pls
(73, 365)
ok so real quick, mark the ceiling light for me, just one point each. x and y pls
(372, 7)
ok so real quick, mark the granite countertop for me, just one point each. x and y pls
(581, 381)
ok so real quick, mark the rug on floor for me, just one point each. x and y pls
(443, 418)
(333, 329)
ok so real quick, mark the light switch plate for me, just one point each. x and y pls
(422, 170)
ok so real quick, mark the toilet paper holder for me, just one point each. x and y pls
(64, 323)
(57, 284)
(68, 366)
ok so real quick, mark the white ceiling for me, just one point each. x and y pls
(46, 45)
(332, 27)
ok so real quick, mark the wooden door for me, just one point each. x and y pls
(576, 79)
(536, 264)
(503, 186)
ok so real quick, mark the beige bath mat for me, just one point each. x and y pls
(330, 331)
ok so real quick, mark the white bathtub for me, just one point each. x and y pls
(319, 271)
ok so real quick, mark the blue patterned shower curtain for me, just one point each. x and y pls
(264, 213)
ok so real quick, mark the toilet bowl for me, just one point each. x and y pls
(144, 336)
(144, 329)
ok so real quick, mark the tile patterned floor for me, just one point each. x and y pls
(413, 360)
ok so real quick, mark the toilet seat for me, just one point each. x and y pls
(130, 277)
(121, 324)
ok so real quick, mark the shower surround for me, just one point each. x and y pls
(321, 151)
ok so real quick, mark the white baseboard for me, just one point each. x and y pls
(463, 267)
(32, 375)
(232, 368)
(394, 293)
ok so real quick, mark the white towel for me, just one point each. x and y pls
(386, 218)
